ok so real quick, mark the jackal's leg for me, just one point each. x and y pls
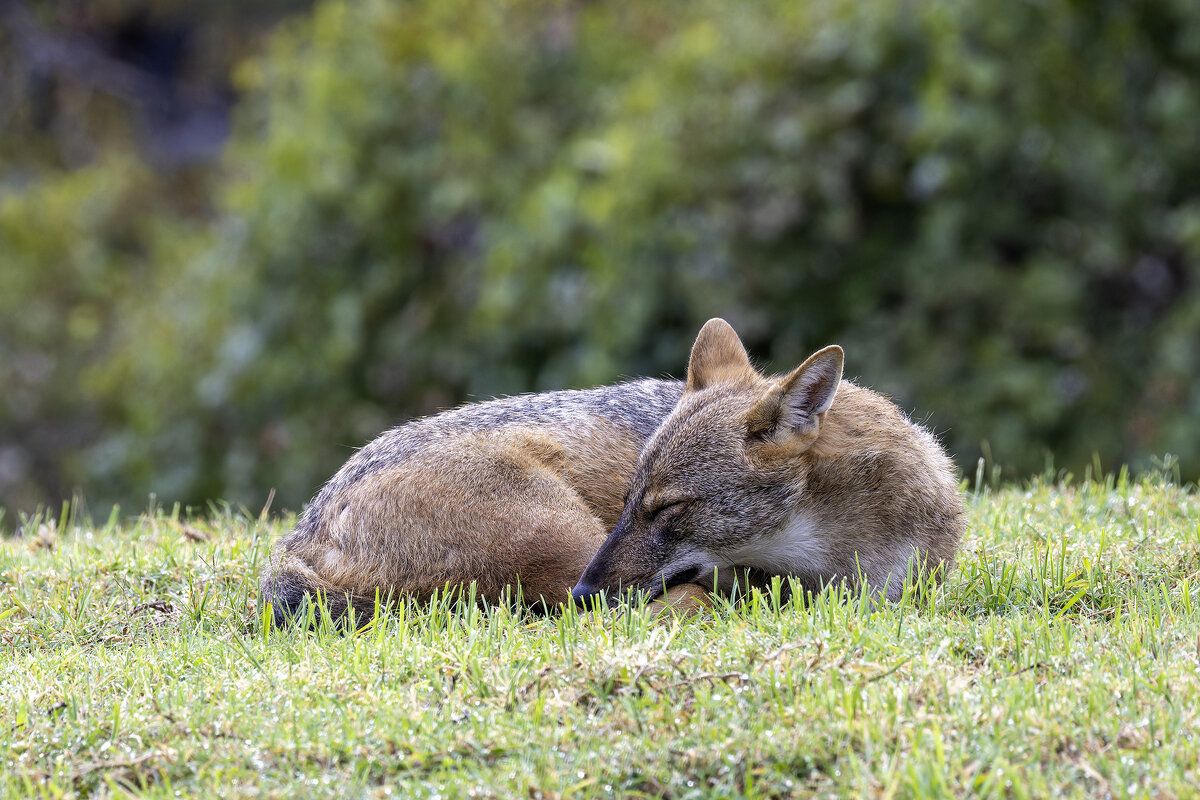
(477, 510)
(686, 599)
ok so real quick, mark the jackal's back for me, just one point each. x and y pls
(580, 418)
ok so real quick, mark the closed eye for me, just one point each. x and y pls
(668, 508)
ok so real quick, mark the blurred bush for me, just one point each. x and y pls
(995, 207)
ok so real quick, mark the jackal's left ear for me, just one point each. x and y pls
(717, 356)
(793, 407)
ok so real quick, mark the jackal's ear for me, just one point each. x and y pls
(793, 407)
(717, 356)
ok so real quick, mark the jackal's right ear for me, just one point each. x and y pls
(793, 407)
(717, 356)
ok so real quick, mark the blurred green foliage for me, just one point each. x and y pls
(994, 206)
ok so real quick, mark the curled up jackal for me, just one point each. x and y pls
(651, 485)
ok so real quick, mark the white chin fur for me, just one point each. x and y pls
(798, 547)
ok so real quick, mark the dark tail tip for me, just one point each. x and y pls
(291, 598)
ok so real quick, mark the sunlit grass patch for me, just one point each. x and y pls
(1059, 657)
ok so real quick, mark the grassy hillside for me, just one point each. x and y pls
(1060, 658)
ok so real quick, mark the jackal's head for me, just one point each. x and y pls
(718, 480)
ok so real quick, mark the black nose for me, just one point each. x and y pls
(582, 592)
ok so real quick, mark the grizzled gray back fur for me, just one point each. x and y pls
(640, 406)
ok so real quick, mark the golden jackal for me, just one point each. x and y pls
(804, 475)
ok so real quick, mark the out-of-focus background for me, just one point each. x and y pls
(238, 239)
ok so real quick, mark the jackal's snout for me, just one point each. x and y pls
(634, 558)
(604, 573)
(584, 592)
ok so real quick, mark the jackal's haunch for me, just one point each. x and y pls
(805, 475)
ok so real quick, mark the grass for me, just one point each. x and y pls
(1060, 658)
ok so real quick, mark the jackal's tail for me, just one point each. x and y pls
(295, 594)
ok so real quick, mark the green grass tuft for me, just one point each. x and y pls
(1059, 658)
